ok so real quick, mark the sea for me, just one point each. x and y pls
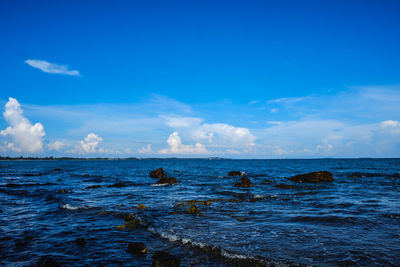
(46, 207)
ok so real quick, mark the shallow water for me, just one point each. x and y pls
(354, 220)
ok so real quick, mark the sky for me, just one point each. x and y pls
(236, 79)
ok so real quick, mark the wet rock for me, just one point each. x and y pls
(131, 222)
(313, 177)
(193, 209)
(167, 180)
(57, 170)
(80, 241)
(47, 261)
(141, 206)
(284, 186)
(93, 186)
(64, 191)
(235, 173)
(244, 182)
(159, 173)
(137, 248)
(163, 259)
(118, 184)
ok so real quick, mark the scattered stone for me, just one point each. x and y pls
(118, 184)
(141, 207)
(47, 261)
(235, 173)
(137, 248)
(193, 209)
(244, 182)
(313, 177)
(284, 186)
(131, 222)
(93, 186)
(167, 180)
(80, 241)
(159, 173)
(63, 191)
(163, 259)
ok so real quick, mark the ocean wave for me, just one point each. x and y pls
(70, 207)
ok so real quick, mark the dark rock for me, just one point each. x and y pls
(167, 180)
(93, 186)
(47, 261)
(118, 184)
(57, 170)
(86, 175)
(141, 207)
(163, 259)
(137, 248)
(159, 173)
(131, 222)
(244, 182)
(284, 186)
(63, 191)
(235, 173)
(80, 241)
(193, 209)
(313, 177)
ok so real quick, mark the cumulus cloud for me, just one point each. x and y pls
(390, 123)
(175, 146)
(145, 150)
(51, 67)
(56, 146)
(218, 135)
(90, 143)
(24, 136)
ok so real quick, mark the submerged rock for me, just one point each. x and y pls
(137, 248)
(141, 206)
(93, 186)
(64, 191)
(313, 177)
(131, 222)
(244, 182)
(159, 173)
(57, 170)
(118, 184)
(163, 259)
(80, 241)
(47, 261)
(167, 180)
(193, 209)
(284, 186)
(235, 173)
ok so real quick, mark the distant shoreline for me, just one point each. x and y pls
(2, 158)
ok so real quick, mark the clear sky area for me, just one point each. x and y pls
(238, 79)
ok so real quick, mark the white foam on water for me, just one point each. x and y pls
(70, 207)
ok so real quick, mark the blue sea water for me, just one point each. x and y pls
(354, 220)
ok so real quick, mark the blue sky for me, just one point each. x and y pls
(241, 79)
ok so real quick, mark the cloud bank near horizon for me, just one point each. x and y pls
(53, 68)
(359, 122)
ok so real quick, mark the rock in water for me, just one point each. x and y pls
(137, 248)
(80, 241)
(159, 173)
(313, 177)
(235, 173)
(193, 209)
(163, 259)
(46, 261)
(244, 182)
(167, 180)
(141, 206)
(284, 186)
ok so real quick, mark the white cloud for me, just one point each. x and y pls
(90, 143)
(25, 136)
(51, 67)
(217, 135)
(175, 146)
(145, 150)
(390, 123)
(56, 146)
